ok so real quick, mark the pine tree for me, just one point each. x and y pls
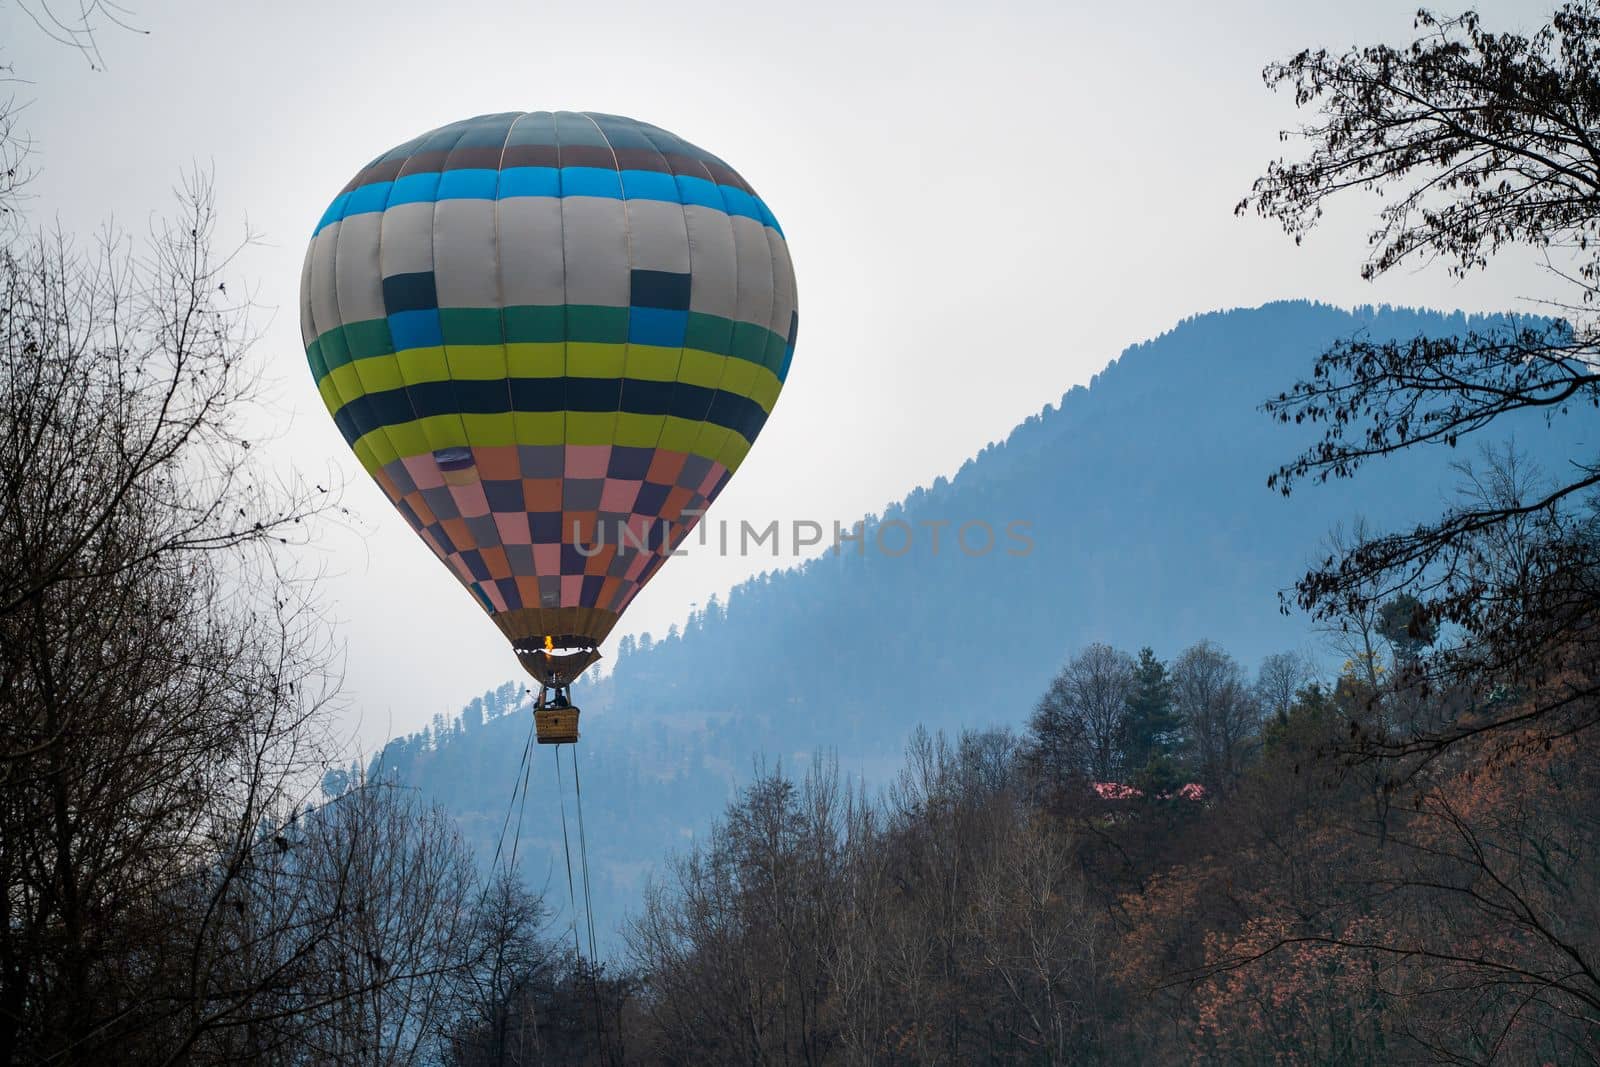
(1151, 727)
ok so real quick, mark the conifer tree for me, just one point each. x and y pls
(1151, 726)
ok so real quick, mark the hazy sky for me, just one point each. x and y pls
(984, 204)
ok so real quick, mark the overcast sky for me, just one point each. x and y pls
(984, 203)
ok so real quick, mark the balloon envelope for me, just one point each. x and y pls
(551, 338)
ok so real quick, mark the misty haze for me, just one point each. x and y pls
(845, 534)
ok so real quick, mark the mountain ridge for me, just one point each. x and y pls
(1145, 494)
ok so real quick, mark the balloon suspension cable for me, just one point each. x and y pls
(566, 848)
(588, 906)
(588, 902)
(519, 780)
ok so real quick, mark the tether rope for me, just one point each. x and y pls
(566, 847)
(524, 767)
(588, 904)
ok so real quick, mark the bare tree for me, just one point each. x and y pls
(1039, 932)
(1219, 711)
(496, 1002)
(1354, 631)
(1078, 725)
(169, 893)
(388, 886)
(859, 967)
(160, 683)
(1282, 676)
(1477, 141)
(949, 924)
(126, 385)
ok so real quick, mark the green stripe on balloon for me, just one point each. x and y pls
(532, 325)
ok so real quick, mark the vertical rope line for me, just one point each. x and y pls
(588, 905)
(524, 767)
(511, 864)
(566, 847)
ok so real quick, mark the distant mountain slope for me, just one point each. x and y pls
(1150, 521)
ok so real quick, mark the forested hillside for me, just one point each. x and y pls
(1151, 524)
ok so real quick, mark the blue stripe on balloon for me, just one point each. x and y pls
(529, 181)
(649, 185)
(699, 192)
(415, 189)
(374, 197)
(468, 183)
(591, 181)
(335, 212)
(666, 327)
(416, 329)
(482, 184)
(739, 202)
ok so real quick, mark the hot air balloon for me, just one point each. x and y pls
(551, 338)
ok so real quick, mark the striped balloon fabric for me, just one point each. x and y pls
(551, 338)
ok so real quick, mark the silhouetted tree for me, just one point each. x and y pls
(496, 1002)
(1080, 722)
(170, 891)
(1220, 714)
(1151, 727)
(1283, 675)
(1478, 141)
(1405, 623)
